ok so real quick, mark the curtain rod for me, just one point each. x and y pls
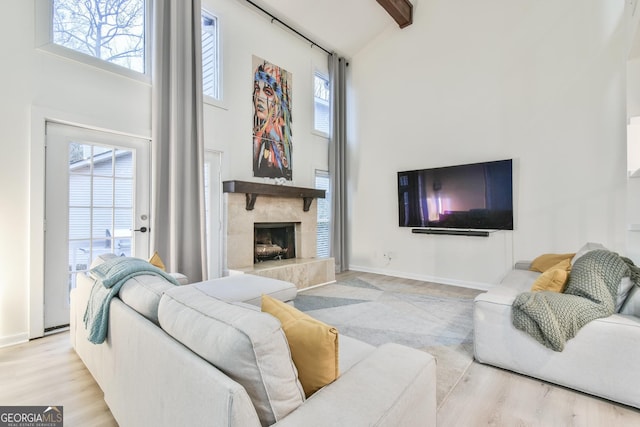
(273, 18)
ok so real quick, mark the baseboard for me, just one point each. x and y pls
(441, 280)
(13, 339)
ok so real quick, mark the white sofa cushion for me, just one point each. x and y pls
(143, 293)
(248, 346)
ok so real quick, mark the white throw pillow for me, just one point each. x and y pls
(100, 259)
(588, 247)
(623, 292)
(632, 304)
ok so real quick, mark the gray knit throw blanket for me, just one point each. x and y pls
(554, 318)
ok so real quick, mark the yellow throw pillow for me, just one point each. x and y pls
(546, 261)
(565, 265)
(553, 280)
(157, 261)
(313, 344)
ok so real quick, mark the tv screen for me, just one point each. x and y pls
(472, 196)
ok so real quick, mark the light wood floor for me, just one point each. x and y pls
(47, 371)
(488, 396)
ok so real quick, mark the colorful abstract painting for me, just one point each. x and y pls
(272, 143)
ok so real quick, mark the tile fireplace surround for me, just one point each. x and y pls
(247, 203)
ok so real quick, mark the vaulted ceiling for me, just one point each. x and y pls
(344, 26)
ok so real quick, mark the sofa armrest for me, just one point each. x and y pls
(393, 386)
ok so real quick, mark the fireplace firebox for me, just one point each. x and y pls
(274, 241)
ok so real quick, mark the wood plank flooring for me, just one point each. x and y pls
(488, 396)
(47, 371)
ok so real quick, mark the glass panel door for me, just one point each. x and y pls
(96, 202)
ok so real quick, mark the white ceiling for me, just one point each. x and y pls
(344, 26)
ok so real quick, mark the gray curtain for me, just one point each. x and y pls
(338, 162)
(178, 223)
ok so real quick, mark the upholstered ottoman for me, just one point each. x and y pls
(247, 288)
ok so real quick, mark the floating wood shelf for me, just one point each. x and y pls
(255, 189)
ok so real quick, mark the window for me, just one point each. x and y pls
(210, 56)
(324, 214)
(112, 31)
(321, 104)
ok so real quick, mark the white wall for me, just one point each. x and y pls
(246, 32)
(540, 82)
(37, 85)
(633, 130)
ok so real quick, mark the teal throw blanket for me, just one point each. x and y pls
(110, 276)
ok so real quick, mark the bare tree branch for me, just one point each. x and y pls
(112, 30)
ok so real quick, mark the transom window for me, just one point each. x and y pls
(111, 34)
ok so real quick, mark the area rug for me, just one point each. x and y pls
(377, 309)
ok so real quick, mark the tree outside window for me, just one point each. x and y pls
(111, 30)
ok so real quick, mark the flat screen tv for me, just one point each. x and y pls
(472, 196)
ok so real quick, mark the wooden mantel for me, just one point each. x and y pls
(255, 189)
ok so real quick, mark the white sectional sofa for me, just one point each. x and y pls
(599, 360)
(154, 378)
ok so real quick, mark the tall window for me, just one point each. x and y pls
(210, 56)
(321, 104)
(324, 214)
(110, 30)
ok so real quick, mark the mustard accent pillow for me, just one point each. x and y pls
(546, 261)
(553, 280)
(313, 344)
(562, 265)
(157, 261)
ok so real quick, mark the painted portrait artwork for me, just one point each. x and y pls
(272, 143)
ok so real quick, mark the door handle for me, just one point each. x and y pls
(142, 229)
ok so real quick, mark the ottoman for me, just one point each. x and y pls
(247, 288)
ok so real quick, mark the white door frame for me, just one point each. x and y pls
(215, 225)
(39, 117)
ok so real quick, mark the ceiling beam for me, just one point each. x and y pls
(400, 10)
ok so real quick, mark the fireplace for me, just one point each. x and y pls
(274, 241)
(284, 220)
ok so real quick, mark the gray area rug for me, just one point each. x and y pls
(377, 309)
